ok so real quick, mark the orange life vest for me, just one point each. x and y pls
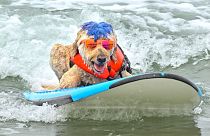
(110, 71)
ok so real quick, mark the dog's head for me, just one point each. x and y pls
(96, 43)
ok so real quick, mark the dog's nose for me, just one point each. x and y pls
(101, 59)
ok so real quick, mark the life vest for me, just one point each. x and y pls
(109, 72)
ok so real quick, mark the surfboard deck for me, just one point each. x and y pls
(148, 91)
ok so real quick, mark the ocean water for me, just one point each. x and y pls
(171, 36)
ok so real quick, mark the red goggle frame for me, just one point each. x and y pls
(91, 43)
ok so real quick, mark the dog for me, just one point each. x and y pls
(94, 57)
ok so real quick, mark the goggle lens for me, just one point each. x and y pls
(107, 44)
(90, 43)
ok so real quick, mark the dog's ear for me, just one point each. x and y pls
(73, 48)
(114, 56)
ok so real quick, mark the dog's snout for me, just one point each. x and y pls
(101, 59)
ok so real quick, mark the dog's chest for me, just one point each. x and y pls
(90, 79)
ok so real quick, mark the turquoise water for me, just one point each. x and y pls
(171, 36)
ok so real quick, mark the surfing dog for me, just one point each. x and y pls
(94, 57)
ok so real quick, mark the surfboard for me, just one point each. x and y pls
(148, 91)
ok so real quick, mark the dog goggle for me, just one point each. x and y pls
(90, 43)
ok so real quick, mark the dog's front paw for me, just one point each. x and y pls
(69, 81)
(66, 85)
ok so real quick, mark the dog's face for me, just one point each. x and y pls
(96, 54)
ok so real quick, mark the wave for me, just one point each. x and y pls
(28, 56)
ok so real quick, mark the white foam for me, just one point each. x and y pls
(199, 25)
(181, 7)
(58, 3)
(13, 108)
(118, 7)
(26, 46)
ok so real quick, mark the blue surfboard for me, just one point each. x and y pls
(153, 90)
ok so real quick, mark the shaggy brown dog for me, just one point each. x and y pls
(95, 57)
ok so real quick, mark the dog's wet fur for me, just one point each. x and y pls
(95, 58)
